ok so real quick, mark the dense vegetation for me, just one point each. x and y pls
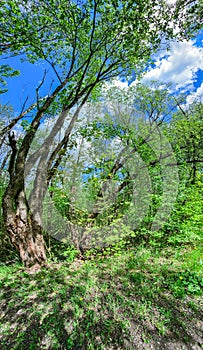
(101, 187)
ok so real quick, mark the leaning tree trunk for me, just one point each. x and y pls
(25, 232)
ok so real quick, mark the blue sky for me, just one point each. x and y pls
(24, 85)
(182, 66)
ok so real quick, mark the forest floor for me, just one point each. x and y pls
(143, 298)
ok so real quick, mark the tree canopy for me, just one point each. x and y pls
(84, 43)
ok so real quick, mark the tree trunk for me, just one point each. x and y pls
(25, 232)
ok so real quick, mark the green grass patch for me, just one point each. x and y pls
(143, 296)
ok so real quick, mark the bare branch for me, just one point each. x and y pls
(38, 88)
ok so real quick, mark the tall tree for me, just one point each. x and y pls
(84, 43)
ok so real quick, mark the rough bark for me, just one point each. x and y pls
(25, 233)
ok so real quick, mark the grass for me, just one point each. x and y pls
(144, 298)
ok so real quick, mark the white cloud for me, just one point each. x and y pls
(179, 66)
(197, 95)
(117, 83)
(171, 2)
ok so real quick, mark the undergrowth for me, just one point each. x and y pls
(143, 296)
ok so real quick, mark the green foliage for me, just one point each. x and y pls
(96, 303)
(186, 134)
(70, 253)
(187, 282)
(78, 40)
(186, 222)
(85, 44)
(109, 215)
(26, 125)
(128, 274)
(69, 38)
(6, 72)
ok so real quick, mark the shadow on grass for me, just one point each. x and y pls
(114, 304)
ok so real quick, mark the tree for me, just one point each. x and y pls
(84, 43)
(186, 134)
(124, 172)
